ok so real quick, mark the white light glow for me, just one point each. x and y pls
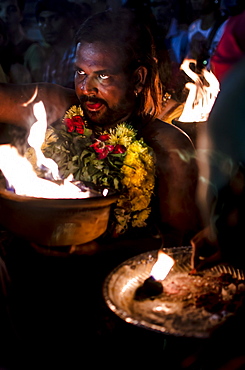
(19, 172)
(201, 96)
(162, 266)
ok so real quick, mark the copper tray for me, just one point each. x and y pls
(120, 286)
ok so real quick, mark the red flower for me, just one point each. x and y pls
(75, 123)
(119, 149)
(69, 124)
(102, 149)
(104, 137)
(105, 151)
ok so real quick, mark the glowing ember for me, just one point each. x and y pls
(19, 172)
(202, 94)
(162, 266)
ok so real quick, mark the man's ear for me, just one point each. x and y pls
(140, 77)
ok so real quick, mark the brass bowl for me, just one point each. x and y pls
(159, 313)
(55, 222)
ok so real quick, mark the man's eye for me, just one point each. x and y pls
(56, 18)
(103, 77)
(80, 72)
(12, 9)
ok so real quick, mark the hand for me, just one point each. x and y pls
(206, 250)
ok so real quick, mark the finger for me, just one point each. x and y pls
(201, 263)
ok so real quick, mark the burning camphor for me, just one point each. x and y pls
(152, 286)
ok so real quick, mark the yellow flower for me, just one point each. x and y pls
(74, 111)
(50, 138)
(124, 202)
(137, 147)
(123, 134)
(139, 219)
(133, 177)
(138, 166)
(141, 202)
(149, 182)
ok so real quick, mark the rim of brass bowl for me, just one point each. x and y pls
(60, 202)
(55, 222)
(190, 128)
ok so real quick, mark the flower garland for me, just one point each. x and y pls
(115, 160)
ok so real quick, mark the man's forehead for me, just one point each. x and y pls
(99, 54)
(162, 3)
(48, 14)
(8, 2)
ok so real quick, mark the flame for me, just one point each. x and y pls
(201, 97)
(36, 138)
(20, 175)
(19, 172)
(162, 266)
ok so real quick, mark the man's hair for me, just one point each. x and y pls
(134, 42)
(21, 4)
(62, 7)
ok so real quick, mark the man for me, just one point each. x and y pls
(171, 32)
(57, 21)
(205, 31)
(21, 58)
(116, 80)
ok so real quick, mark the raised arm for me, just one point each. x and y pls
(16, 102)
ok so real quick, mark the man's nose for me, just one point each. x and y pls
(89, 85)
(47, 24)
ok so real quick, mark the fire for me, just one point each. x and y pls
(19, 172)
(201, 96)
(162, 266)
(21, 177)
(36, 138)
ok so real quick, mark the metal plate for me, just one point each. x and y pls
(120, 286)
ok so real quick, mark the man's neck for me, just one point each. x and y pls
(207, 21)
(98, 129)
(63, 44)
(17, 36)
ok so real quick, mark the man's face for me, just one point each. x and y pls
(10, 14)
(162, 10)
(203, 6)
(105, 91)
(52, 26)
(226, 4)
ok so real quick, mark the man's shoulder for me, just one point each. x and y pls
(158, 125)
(158, 132)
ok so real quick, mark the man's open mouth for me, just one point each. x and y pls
(94, 106)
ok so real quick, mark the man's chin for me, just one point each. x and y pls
(104, 117)
(94, 117)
